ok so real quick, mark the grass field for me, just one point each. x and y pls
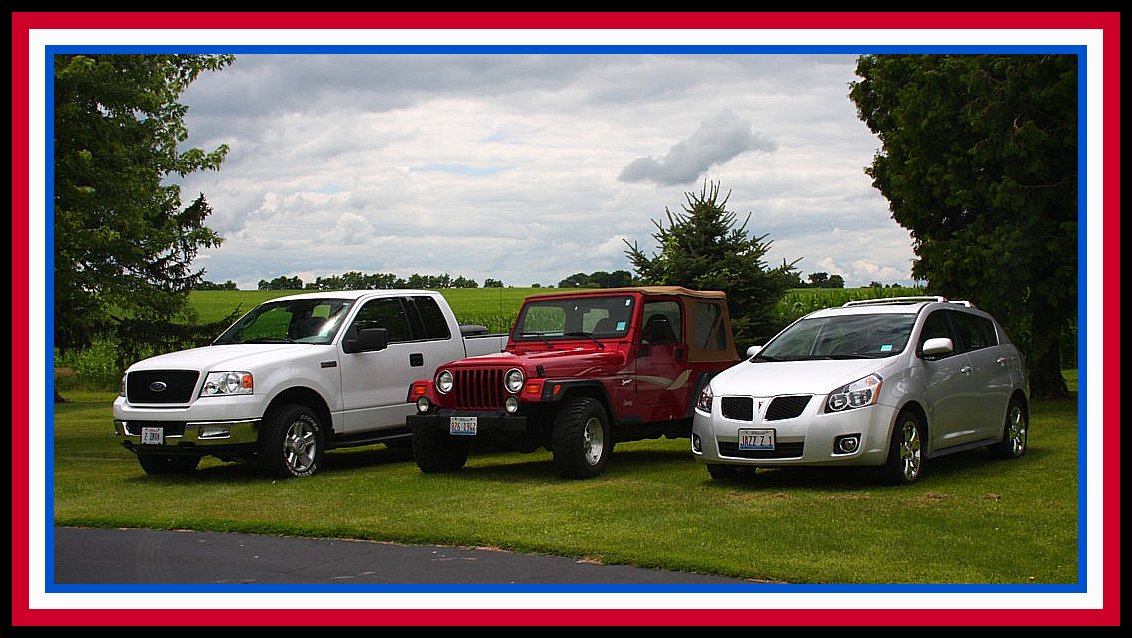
(970, 520)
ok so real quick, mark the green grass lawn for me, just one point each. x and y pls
(970, 520)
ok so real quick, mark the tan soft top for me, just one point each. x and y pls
(645, 290)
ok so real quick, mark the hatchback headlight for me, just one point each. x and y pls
(703, 404)
(227, 383)
(444, 382)
(858, 394)
(513, 381)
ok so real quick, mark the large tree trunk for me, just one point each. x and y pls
(1046, 381)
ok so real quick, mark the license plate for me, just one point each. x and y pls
(153, 436)
(462, 425)
(758, 439)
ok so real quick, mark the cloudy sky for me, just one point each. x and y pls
(528, 168)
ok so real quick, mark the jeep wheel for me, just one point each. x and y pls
(290, 442)
(436, 451)
(166, 464)
(1014, 434)
(581, 442)
(905, 460)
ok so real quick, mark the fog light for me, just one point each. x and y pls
(423, 405)
(213, 432)
(696, 444)
(848, 444)
(511, 405)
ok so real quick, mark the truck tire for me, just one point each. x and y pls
(290, 442)
(581, 442)
(436, 451)
(167, 464)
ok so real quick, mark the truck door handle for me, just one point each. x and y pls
(416, 359)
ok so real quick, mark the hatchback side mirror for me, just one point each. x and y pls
(938, 345)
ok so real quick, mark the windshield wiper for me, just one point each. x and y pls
(270, 340)
(600, 345)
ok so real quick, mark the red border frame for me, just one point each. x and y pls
(1107, 22)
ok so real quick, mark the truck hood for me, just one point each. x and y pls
(580, 361)
(772, 378)
(247, 356)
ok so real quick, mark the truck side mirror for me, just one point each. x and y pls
(366, 340)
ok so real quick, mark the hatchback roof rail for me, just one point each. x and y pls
(882, 301)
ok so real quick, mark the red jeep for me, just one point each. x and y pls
(582, 370)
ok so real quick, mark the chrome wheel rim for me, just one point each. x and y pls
(911, 455)
(1017, 434)
(300, 446)
(592, 441)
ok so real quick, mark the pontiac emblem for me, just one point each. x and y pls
(158, 386)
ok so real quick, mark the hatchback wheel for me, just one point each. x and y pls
(1015, 432)
(905, 460)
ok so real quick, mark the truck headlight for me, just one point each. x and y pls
(444, 382)
(514, 380)
(227, 383)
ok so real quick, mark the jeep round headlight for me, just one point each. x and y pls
(444, 382)
(514, 380)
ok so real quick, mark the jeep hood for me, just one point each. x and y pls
(580, 361)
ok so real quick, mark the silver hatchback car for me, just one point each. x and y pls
(888, 383)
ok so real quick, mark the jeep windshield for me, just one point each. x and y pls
(295, 321)
(577, 318)
(852, 336)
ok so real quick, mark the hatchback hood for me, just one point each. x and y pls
(773, 378)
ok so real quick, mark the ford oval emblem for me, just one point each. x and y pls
(158, 386)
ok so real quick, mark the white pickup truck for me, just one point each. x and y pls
(294, 377)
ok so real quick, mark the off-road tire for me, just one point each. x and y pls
(436, 451)
(581, 441)
(291, 442)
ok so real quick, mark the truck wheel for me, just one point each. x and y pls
(290, 442)
(581, 442)
(165, 464)
(436, 451)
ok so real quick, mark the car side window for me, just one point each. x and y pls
(432, 318)
(975, 332)
(385, 313)
(937, 326)
(662, 323)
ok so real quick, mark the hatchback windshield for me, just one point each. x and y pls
(573, 318)
(840, 337)
(295, 321)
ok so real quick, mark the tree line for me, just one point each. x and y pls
(979, 161)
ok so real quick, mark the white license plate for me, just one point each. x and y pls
(152, 436)
(462, 425)
(756, 439)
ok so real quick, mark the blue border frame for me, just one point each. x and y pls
(1082, 312)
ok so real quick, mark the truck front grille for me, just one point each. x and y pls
(478, 389)
(161, 386)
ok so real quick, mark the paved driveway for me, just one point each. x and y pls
(144, 556)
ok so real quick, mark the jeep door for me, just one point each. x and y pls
(662, 374)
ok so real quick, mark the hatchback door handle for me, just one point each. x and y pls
(965, 370)
(1001, 361)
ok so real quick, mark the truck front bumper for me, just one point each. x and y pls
(187, 437)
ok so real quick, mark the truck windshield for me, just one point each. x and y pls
(584, 318)
(294, 321)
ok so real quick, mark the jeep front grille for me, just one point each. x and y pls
(478, 389)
